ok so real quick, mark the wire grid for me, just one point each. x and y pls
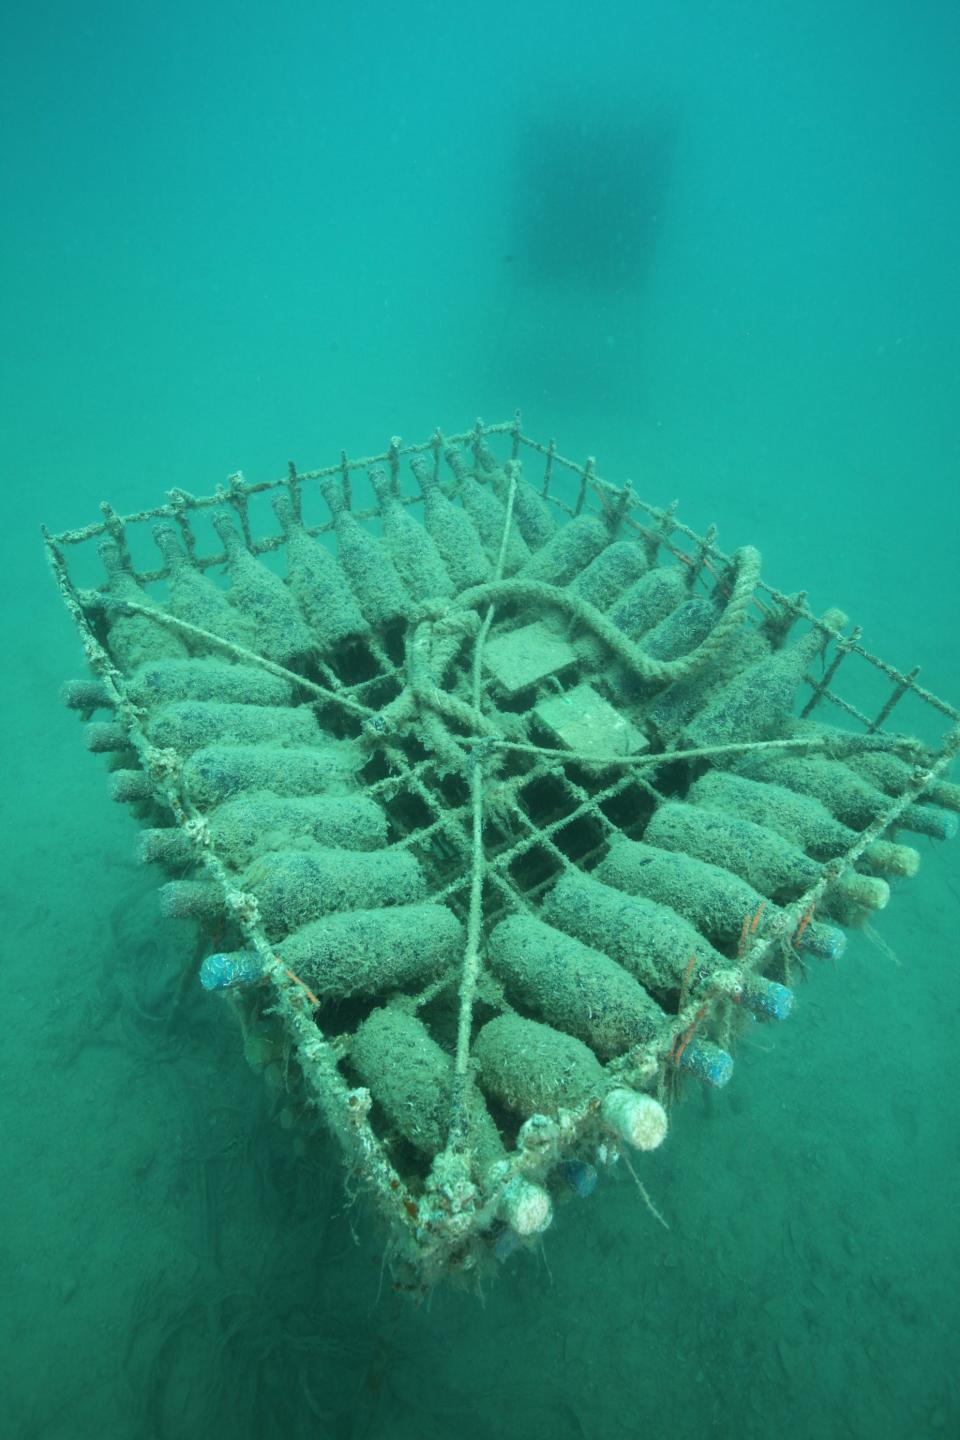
(527, 844)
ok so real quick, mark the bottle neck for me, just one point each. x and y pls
(231, 540)
(332, 491)
(166, 543)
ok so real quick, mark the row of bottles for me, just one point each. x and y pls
(843, 788)
(294, 887)
(578, 989)
(769, 863)
(329, 600)
(715, 900)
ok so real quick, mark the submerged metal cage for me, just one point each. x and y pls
(464, 826)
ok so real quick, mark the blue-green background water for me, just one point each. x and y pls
(716, 246)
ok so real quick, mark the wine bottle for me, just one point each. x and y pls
(365, 562)
(252, 824)
(218, 772)
(188, 725)
(568, 552)
(755, 704)
(488, 514)
(451, 529)
(318, 584)
(719, 903)
(533, 1069)
(890, 773)
(132, 639)
(610, 573)
(534, 519)
(651, 941)
(417, 560)
(572, 986)
(262, 597)
(675, 706)
(294, 887)
(847, 796)
(194, 597)
(356, 952)
(161, 682)
(649, 600)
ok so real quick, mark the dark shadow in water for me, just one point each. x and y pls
(589, 193)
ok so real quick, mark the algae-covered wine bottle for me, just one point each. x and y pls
(488, 514)
(293, 887)
(757, 701)
(533, 1069)
(677, 634)
(798, 818)
(650, 600)
(196, 598)
(217, 772)
(411, 1076)
(670, 711)
(374, 952)
(721, 905)
(356, 952)
(573, 986)
(262, 597)
(364, 560)
(452, 530)
(410, 546)
(242, 829)
(318, 583)
(568, 552)
(535, 522)
(189, 725)
(133, 639)
(889, 772)
(652, 942)
(658, 946)
(252, 825)
(610, 573)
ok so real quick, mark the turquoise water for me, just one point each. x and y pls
(715, 246)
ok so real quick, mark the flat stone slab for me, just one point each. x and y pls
(526, 656)
(582, 720)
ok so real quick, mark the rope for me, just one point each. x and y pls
(660, 672)
(811, 744)
(459, 1118)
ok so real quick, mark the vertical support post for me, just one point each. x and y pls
(117, 532)
(436, 445)
(293, 485)
(515, 436)
(345, 479)
(548, 468)
(238, 499)
(586, 475)
(393, 460)
(181, 504)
